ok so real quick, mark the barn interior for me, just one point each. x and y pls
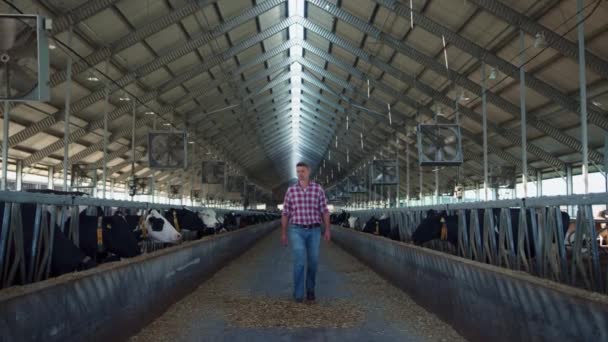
(462, 146)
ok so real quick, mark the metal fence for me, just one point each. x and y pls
(583, 263)
(15, 242)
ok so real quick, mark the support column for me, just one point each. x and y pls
(19, 175)
(5, 137)
(66, 124)
(569, 186)
(104, 176)
(539, 183)
(484, 109)
(583, 92)
(522, 106)
(51, 183)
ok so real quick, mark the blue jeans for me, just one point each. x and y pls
(305, 245)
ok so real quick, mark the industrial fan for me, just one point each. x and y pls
(439, 144)
(140, 186)
(175, 191)
(24, 58)
(502, 176)
(356, 184)
(213, 172)
(195, 194)
(83, 177)
(167, 150)
(385, 172)
(235, 184)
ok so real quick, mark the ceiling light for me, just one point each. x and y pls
(493, 74)
(326, 7)
(149, 112)
(596, 103)
(52, 45)
(93, 78)
(191, 142)
(540, 42)
(463, 96)
(167, 124)
(124, 98)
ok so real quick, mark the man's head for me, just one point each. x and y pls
(303, 171)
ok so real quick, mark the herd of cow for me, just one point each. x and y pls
(99, 237)
(439, 225)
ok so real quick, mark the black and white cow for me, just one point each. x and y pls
(187, 222)
(431, 227)
(65, 257)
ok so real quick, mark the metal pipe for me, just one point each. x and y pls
(583, 93)
(522, 106)
(66, 124)
(106, 106)
(5, 145)
(484, 107)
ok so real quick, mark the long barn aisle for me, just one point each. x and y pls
(249, 300)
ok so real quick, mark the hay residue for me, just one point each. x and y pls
(260, 312)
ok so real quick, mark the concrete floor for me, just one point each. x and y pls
(354, 304)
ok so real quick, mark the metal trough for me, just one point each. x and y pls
(483, 302)
(113, 301)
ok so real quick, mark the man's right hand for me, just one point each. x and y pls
(284, 240)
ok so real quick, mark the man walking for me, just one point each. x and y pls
(304, 208)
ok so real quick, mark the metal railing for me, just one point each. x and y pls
(25, 256)
(540, 248)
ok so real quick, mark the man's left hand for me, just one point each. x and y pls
(327, 235)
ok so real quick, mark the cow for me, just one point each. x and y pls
(212, 224)
(106, 238)
(187, 222)
(159, 229)
(378, 226)
(65, 257)
(339, 219)
(439, 225)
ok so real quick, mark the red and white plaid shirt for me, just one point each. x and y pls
(305, 206)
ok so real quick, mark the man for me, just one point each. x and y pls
(304, 208)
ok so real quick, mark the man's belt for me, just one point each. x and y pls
(307, 226)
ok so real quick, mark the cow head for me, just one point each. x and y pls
(429, 229)
(160, 229)
(209, 217)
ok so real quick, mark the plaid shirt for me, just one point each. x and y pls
(305, 206)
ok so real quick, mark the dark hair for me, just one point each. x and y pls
(303, 164)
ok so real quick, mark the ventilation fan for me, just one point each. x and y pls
(175, 191)
(356, 184)
(385, 172)
(502, 176)
(140, 186)
(167, 150)
(83, 177)
(24, 58)
(439, 144)
(213, 172)
(235, 184)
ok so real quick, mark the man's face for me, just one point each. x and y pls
(303, 173)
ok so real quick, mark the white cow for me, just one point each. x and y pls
(160, 229)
